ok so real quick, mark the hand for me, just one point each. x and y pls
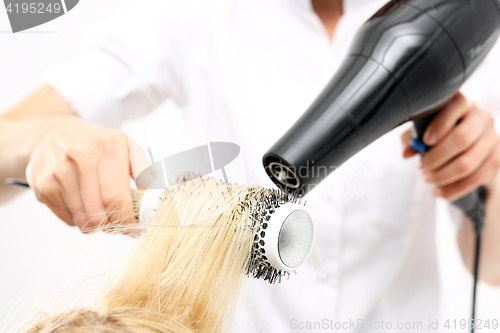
(82, 172)
(463, 156)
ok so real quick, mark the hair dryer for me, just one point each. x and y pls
(405, 63)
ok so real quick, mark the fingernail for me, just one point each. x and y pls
(430, 137)
(435, 192)
(425, 177)
(423, 166)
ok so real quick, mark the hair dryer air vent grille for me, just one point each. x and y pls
(284, 175)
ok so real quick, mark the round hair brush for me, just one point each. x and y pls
(283, 231)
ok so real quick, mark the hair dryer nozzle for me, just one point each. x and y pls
(282, 174)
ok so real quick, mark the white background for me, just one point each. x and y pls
(48, 266)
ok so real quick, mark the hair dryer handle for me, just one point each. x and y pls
(473, 204)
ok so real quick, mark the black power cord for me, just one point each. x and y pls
(475, 210)
(476, 270)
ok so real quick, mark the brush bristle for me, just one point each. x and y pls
(264, 204)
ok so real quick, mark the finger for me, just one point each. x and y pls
(465, 164)
(65, 174)
(444, 122)
(406, 137)
(408, 152)
(88, 182)
(114, 180)
(49, 193)
(461, 188)
(60, 211)
(45, 187)
(463, 136)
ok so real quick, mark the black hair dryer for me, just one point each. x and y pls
(405, 63)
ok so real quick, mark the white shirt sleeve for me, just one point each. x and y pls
(126, 70)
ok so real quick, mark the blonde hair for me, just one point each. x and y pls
(186, 273)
